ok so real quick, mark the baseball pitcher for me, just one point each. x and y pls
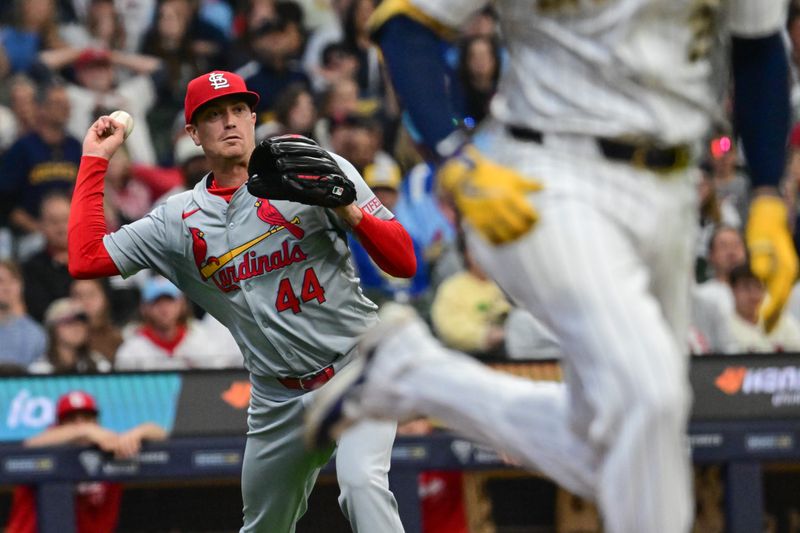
(277, 273)
(579, 201)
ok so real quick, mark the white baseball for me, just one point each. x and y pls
(125, 118)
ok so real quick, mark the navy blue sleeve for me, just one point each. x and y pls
(761, 105)
(414, 57)
(14, 167)
(8, 192)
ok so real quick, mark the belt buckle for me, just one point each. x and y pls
(639, 157)
(302, 381)
(312, 380)
(682, 158)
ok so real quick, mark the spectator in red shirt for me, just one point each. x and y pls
(96, 503)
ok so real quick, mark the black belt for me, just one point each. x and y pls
(660, 159)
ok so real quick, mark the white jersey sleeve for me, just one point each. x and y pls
(142, 244)
(451, 13)
(365, 198)
(125, 358)
(756, 18)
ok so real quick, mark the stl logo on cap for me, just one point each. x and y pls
(218, 80)
(213, 85)
(77, 400)
(74, 401)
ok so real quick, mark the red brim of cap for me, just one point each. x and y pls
(92, 63)
(251, 98)
(68, 412)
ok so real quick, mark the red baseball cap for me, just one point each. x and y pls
(73, 401)
(215, 84)
(93, 56)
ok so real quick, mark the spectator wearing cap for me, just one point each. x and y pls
(99, 92)
(167, 339)
(746, 328)
(40, 162)
(275, 47)
(97, 503)
(23, 339)
(69, 351)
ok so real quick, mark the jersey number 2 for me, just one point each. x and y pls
(310, 290)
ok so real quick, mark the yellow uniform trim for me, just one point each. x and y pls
(389, 9)
(210, 269)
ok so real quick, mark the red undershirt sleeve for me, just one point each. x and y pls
(88, 257)
(388, 244)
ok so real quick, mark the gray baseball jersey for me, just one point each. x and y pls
(276, 273)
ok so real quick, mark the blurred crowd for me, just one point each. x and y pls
(65, 62)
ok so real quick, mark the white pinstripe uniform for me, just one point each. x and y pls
(608, 265)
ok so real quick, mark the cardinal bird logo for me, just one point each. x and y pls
(200, 251)
(252, 264)
(269, 214)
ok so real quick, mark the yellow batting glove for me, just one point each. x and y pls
(772, 254)
(493, 198)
